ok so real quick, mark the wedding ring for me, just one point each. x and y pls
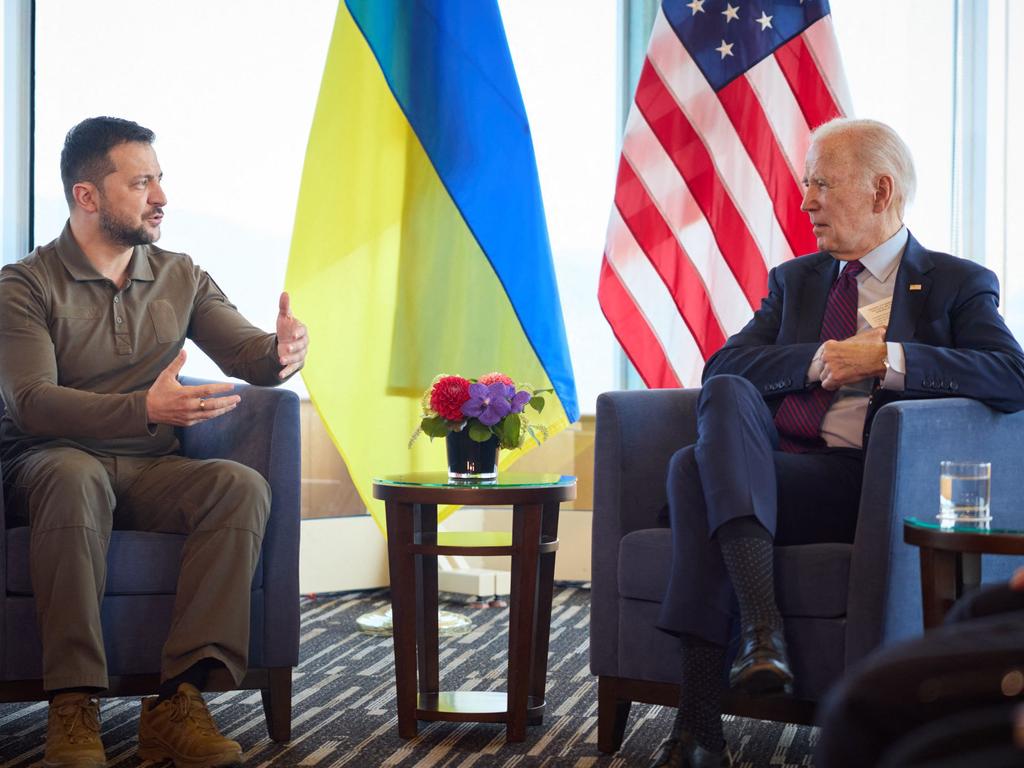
(202, 404)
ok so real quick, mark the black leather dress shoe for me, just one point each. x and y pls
(683, 752)
(762, 667)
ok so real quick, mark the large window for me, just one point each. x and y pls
(229, 87)
(565, 57)
(1004, 226)
(949, 75)
(899, 64)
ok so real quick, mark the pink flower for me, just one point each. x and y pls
(490, 378)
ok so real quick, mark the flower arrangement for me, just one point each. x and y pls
(491, 406)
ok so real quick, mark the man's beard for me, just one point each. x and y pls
(123, 233)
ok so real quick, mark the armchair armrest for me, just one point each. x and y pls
(637, 433)
(263, 433)
(901, 479)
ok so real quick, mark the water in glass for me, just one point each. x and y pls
(964, 492)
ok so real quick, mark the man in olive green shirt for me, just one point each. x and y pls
(92, 327)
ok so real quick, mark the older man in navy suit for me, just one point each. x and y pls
(787, 403)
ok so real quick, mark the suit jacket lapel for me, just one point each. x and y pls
(909, 292)
(814, 296)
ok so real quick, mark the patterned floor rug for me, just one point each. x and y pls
(344, 709)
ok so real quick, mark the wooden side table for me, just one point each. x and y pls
(413, 547)
(951, 560)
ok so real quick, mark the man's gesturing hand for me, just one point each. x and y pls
(292, 338)
(853, 359)
(168, 402)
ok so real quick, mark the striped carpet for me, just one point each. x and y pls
(344, 705)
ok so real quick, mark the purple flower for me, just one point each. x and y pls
(519, 401)
(490, 404)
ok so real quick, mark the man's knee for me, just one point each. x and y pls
(241, 497)
(726, 387)
(725, 398)
(731, 412)
(64, 488)
(682, 465)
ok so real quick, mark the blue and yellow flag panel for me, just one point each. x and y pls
(420, 245)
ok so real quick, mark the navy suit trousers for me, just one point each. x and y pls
(734, 470)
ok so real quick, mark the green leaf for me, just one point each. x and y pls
(509, 434)
(434, 426)
(537, 403)
(479, 432)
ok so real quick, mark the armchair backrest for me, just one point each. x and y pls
(633, 447)
(637, 434)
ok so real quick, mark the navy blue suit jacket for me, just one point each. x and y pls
(944, 313)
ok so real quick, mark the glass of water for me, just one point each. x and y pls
(964, 492)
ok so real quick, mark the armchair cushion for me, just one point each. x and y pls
(810, 580)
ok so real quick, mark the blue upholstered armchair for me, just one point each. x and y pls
(263, 433)
(839, 601)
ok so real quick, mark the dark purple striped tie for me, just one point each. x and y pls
(799, 417)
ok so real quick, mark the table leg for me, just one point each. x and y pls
(425, 524)
(940, 584)
(403, 612)
(526, 527)
(545, 592)
(970, 572)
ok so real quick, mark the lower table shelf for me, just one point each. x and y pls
(472, 706)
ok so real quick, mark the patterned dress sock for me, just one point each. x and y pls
(748, 552)
(700, 693)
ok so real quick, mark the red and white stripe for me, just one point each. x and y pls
(708, 197)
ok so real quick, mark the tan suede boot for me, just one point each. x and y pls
(181, 729)
(73, 732)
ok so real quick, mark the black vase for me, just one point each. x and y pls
(470, 460)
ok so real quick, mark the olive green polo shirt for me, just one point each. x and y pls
(77, 354)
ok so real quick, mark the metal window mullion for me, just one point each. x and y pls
(636, 19)
(970, 115)
(16, 197)
(1006, 154)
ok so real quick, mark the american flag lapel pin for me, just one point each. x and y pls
(915, 286)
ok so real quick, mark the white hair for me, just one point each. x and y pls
(879, 150)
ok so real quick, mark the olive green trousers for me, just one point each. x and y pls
(72, 500)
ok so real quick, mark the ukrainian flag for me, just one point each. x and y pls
(420, 245)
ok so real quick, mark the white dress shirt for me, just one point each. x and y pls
(843, 425)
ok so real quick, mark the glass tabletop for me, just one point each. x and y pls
(504, 480)
(983, 529)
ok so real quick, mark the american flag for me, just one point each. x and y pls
(708, 193)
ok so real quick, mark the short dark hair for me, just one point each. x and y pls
(86, 153)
